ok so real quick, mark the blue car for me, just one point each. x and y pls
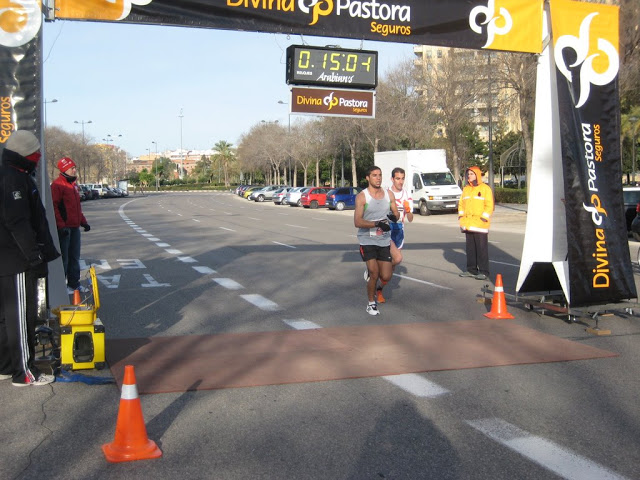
(342, 197)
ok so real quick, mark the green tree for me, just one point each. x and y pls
(226, 156)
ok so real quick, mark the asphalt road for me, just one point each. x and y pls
(202, 263)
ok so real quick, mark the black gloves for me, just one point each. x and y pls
(392, 217)
(383, 225)
(63, 232)
(86, 227)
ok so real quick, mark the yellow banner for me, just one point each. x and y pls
(585, 38)
(511, 25)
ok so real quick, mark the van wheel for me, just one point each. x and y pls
(340, 206)
(424, 211)
(314, 204)
(260, 198)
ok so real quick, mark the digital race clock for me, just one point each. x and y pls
(332, 67)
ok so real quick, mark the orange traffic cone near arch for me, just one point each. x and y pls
(131, 441)
(498, 304)
(76, 297)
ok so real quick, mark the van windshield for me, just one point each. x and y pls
(443, 178)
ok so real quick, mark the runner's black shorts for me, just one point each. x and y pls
(374, 252)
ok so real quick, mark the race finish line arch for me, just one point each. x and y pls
(576, 237)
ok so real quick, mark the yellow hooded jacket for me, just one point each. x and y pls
(476, 205)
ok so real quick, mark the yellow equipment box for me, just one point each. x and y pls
(82, 346)
(84, 313)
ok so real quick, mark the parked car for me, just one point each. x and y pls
(631, 196)
(248, 190)
(314, 197)
(89, 193)
(293, 196)
(265, 193)
(342, 198)
(635, 225)
(280, 194)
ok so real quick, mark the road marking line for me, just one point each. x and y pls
(261, 302)
(187, 259)
(225, 228)
(147, 235)
(421, 281)
(179, 214)
(228, 283)
(173, 251)
(416, 385)
(547, 454)
(504, 263)
(162, 244)
(195, 220)
(283, 244)
(204, 270)
(294, 226)
(302, 324)
(252, 218)
(153, 239)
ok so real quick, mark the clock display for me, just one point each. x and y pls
(334, 67)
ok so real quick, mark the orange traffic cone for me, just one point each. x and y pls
(498, 304)
(131, 441)
(76, 297)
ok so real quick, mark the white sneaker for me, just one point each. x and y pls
(366, 274)
(83, 289)
(4, 376)
(372, 309)
(70, 291)
(41, 380)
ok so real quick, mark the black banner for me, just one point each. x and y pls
(514, 25)
(598, 251)
(20, 87)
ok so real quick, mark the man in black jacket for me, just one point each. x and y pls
(25, 248)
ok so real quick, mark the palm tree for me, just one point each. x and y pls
(225, 155)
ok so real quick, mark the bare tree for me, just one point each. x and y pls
(452, 86)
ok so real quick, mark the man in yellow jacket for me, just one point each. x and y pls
(474, 213)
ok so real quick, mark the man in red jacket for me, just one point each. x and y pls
(69, 218)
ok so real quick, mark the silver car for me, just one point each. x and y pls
(263, 194)
(293, 196)
(280, 194)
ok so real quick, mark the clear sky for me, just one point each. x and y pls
(133, 80)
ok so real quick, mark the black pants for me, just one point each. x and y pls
(477, 252)
(18, 314)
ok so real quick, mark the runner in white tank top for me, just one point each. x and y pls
(404, 204)
(370, 218)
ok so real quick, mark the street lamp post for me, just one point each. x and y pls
(55, 100)
(636, 122)
(156, 162)
(84, 163)
(125, 156)
(289, 134)
(181, 116)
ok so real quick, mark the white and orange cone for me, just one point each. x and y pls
(499, 304)
(131, 441)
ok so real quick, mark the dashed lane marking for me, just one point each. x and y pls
(416, 385)
(421, 281)
(283, 244)
(228, 283)
(261, 302)
(547, 454)
(204, 270)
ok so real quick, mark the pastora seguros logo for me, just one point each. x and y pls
(20, 21)
(491, 22)
(588, 74)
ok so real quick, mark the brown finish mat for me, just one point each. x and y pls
(203, 362)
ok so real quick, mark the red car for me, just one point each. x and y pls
(314, 197)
